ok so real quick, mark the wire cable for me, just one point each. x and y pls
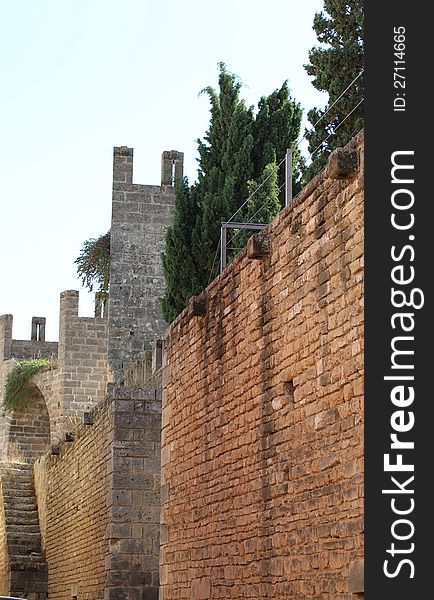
(283, 160)
(261, 207)
(253, 193)
(298, 142)
(213, 262)
(331, 105)
(337, 127)
(253, 216)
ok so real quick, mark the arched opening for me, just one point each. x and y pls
(29, 430)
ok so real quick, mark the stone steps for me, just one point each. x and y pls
(28, 569)
(16, 506)
(23, 493)
(21, 515)
(25, 562)
(24, 543)
(25, 528)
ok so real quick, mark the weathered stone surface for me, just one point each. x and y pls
(201, 588)
(140, 218)
(99, 503)
(99, 488)
(197, 306)
(172, 166)
(258, 246)
(88, 418)
(23, 568)
(262, 455)
(343, 163)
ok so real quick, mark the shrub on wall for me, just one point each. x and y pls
(17, 388)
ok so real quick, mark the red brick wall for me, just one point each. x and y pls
(262, 448)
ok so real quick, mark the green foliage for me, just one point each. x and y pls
(264, 203)
(179, 264)
(238, 149)
(334, 65)
(276, 128)
(225, 166)
(17, 389)
(262, 207)
(93, 263)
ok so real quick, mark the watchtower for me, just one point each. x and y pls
(141, 215)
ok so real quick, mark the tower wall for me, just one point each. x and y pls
(141, 215)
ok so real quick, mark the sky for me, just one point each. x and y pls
(82, 76)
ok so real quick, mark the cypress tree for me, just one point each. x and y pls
(225, 166)
(340, 27)
(179, 264)
(237, 153)
(262, 206)
(277, 126)
(264, 203)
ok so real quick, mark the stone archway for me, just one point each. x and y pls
(28, 435)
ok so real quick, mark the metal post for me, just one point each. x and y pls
(223, 242)
(288, 177)
(224, 234)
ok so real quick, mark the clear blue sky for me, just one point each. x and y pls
(82, 76)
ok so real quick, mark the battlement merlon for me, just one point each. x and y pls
(6, 322)
(38, 329)
(35, 347)
(69, 304)
(123, 164)
(172, 166)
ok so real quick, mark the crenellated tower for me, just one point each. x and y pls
(141, 215)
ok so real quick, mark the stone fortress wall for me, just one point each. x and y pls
(258, 439)
(76, 382)
(85, 453)
(141, 215)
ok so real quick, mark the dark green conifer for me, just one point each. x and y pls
(180, 268)
(276, 129)
(334, 65)
(236, 155)
(225, 166)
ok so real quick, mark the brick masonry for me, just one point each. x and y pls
(261, 456)
(82, 358)
(4, 562)
(262, 442)
(134, 498)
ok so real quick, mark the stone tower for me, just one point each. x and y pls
(141, 215)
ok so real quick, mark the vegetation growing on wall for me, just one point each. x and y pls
(17, 389)
(93, 263)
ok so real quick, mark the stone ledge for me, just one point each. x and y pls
(343, 163)
(197, 306)
(258, 246)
